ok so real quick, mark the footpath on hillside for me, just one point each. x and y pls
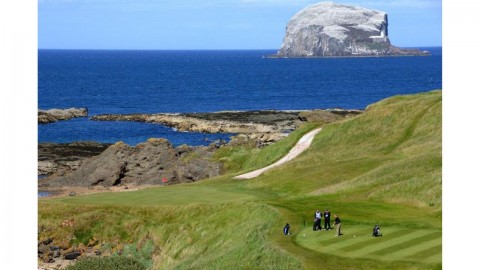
(301, 146)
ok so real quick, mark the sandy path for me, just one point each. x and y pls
(301, 146)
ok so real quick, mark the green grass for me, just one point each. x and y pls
(248, 158)
(396, 244)
(383, 166)
(165, 195)
(198, 236)
(107, 263)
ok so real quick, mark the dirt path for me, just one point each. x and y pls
(301, 146)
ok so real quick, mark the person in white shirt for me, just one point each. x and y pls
(318, 220)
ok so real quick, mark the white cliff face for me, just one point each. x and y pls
(330, 29)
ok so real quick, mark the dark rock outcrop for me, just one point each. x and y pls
(53, 157)
(72, 255)
(327, 29)
(54, 115)
(145, 164)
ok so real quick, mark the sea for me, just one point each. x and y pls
(136, 81)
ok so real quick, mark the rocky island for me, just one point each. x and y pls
(327, 29)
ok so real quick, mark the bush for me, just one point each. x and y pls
(131, 259)
(107, 263)
(142, 255)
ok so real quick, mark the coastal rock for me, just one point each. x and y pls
(43, 248)
(53, 157)
(147, 163)
(329, 29)
(56, 253)
(236, 122)
(47, 241)
(263, 126)
(53, 115)
(72, 255)
(46, 167)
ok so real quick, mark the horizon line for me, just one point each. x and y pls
(90, 49)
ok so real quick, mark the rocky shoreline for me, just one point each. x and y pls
(238, 122)
(216, 122)
(54, 115)
(60, 254)
(103, 167)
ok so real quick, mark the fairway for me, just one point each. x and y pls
(158, 196)
(396, 244)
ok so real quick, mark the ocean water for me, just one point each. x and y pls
(206, 81)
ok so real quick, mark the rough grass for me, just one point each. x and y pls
(391, 153)
(107, 263)
(247, 158)
(166, 195)
(195, 236)
(383, 166)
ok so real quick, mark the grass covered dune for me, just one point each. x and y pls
(383, 166)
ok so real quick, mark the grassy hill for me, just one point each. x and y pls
(383, 166)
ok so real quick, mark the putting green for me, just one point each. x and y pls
(396, 244)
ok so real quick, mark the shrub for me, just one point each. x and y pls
(107, 263)
(132, 259)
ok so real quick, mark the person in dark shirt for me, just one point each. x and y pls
(326, 217)
(286, 229)
(338, 225)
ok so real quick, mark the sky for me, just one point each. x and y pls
(210, 24)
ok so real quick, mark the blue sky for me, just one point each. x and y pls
(209, 24)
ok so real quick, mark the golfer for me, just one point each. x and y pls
(338, 225)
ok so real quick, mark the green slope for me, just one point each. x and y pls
(392, 152)
(383, 166)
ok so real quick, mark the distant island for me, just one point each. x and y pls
(328, 29)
